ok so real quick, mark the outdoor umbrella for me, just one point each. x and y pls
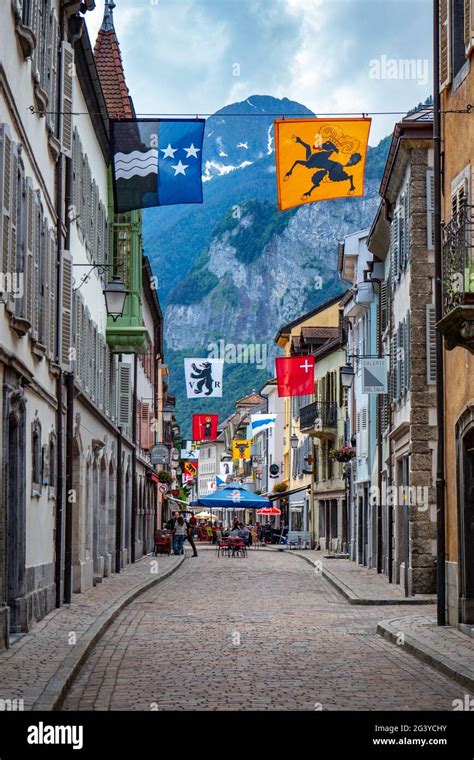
(269, 511)
(206, 516)
(232, 496)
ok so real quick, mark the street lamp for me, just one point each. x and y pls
(294, 441)
(347, 375)
(115, 294)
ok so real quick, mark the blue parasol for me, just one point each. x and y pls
(232, 496)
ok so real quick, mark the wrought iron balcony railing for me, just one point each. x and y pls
(320, 415)
(458, 259)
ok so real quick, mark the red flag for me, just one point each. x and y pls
(205, 427)
(295, 375)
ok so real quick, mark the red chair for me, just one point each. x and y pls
(224, 546)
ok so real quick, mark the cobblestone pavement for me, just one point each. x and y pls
(361, 582)
(261, 633)
(30, 666)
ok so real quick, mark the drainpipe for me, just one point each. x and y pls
(59, 381)
(440, 481)
(118, 514)
(69, 380)
(133, 530)
(378, 282)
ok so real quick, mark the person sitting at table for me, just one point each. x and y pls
(245, 534)
(235, 530)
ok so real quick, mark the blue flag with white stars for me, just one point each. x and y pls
(156, 162)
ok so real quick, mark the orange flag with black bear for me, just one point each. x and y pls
(319, 159)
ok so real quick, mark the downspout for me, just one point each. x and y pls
(440, 481)
(58, 547)
(379, 532)
(133, 530)
(118, 515)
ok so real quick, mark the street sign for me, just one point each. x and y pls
(163, 488)
(160, 454)
(374, 375)
(274, 470)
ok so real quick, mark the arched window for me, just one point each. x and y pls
(36, 457)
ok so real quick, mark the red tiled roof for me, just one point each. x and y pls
(111, 74)
(252, 398)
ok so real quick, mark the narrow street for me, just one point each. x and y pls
(262, 633)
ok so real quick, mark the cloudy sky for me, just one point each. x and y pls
(195, 56)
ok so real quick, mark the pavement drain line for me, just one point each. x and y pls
(427, 655)
(53, 696)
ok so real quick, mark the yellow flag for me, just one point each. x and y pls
(241, 449)
(319, 159)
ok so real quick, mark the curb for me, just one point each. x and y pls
(427, 655)
(53, 696)
(347, 592)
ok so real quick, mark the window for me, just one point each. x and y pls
(36, 458)
(52, 460)
(458, 50)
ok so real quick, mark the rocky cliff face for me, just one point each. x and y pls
(235, 269)
(294, 271)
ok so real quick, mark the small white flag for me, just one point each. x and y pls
(203, 377)
(262, 422)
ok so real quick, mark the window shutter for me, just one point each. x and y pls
(430, 344)
(36, 264)
(51, 311)
(394, 249)
(113, 387)
(65, 116)
(394, 369)
(12, 266)
(20, 302)
(6, 191)
(364, 433)
(66, 307)
(124, 395)
(384, 305)
(406, 225)
(77, 335)
(445, 44)
(50, 67)
(45, 300)
(407, 352)
(29, 264)
(430, 209)
(400, 360)
(384, 411)
(459, 197)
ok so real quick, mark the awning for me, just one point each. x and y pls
(274, 496)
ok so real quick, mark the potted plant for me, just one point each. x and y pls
(280, 488)
(343, 453)
(164, 477)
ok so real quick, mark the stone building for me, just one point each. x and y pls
(401, 238)
(457, 318)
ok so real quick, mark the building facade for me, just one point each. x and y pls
(457, 317)
(401, 237)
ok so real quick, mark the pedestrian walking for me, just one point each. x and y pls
(179, 534)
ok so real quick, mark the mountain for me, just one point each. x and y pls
(232, 270)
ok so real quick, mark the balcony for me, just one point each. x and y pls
(319, 419)
(457, 322)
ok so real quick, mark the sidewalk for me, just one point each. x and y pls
(443, 647)
(40, 665)
(359, 585)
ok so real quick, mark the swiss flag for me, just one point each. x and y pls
(295, 375)
(205, 427)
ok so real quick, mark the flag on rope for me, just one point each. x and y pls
(241, 449)
(261, 422)
(319, 159)
(203, 377)
(205, 427)
(295, 375)
(156, 162)
(190, 470)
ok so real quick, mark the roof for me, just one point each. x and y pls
(252, 398)
(110, 68)
(319, 333)
(418, 124)
(285, 329)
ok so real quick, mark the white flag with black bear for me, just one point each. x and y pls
(203, 377)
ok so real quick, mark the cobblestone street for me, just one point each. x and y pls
(262, 633)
